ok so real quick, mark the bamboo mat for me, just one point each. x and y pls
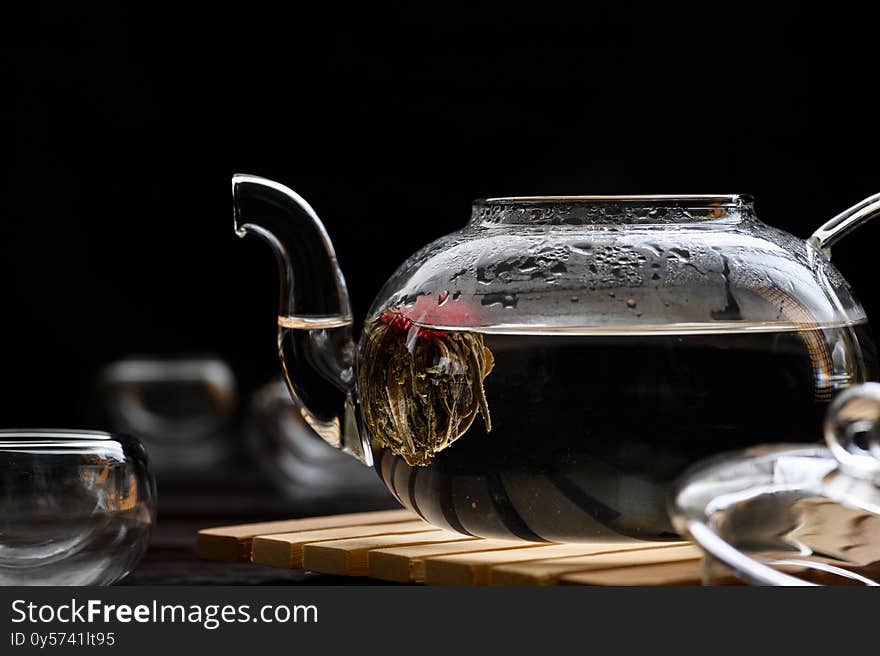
(396, 545)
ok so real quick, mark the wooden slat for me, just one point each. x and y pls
(473, 568)
(407, 564)
(681, 573)
(545, 572)
(399, 546)
(285, 549)
(350, 556)
(232, 543)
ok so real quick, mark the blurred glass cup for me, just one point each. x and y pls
(182, 409)
(76, 508)
(300, 463)
(792, 514)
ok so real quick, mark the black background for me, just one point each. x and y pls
(125, 124)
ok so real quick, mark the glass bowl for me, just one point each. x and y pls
(76, 507)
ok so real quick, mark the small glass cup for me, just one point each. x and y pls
(76, 507)
(182, 409)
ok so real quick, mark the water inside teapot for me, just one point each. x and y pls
(590, 426)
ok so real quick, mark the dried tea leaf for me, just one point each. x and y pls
(421, 389)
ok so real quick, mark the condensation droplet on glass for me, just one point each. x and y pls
(583, 248)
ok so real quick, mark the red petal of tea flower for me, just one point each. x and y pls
(396, 320)
(427, 310)
(460, 313)
(400, 324)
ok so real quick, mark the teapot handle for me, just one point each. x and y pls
(841, 225)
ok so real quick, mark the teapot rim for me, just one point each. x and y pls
(696, 200)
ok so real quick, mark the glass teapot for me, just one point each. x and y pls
(546, 372)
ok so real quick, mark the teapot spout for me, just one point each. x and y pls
(315, 328)
(283, 219)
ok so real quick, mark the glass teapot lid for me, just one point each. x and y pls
(792, 515)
